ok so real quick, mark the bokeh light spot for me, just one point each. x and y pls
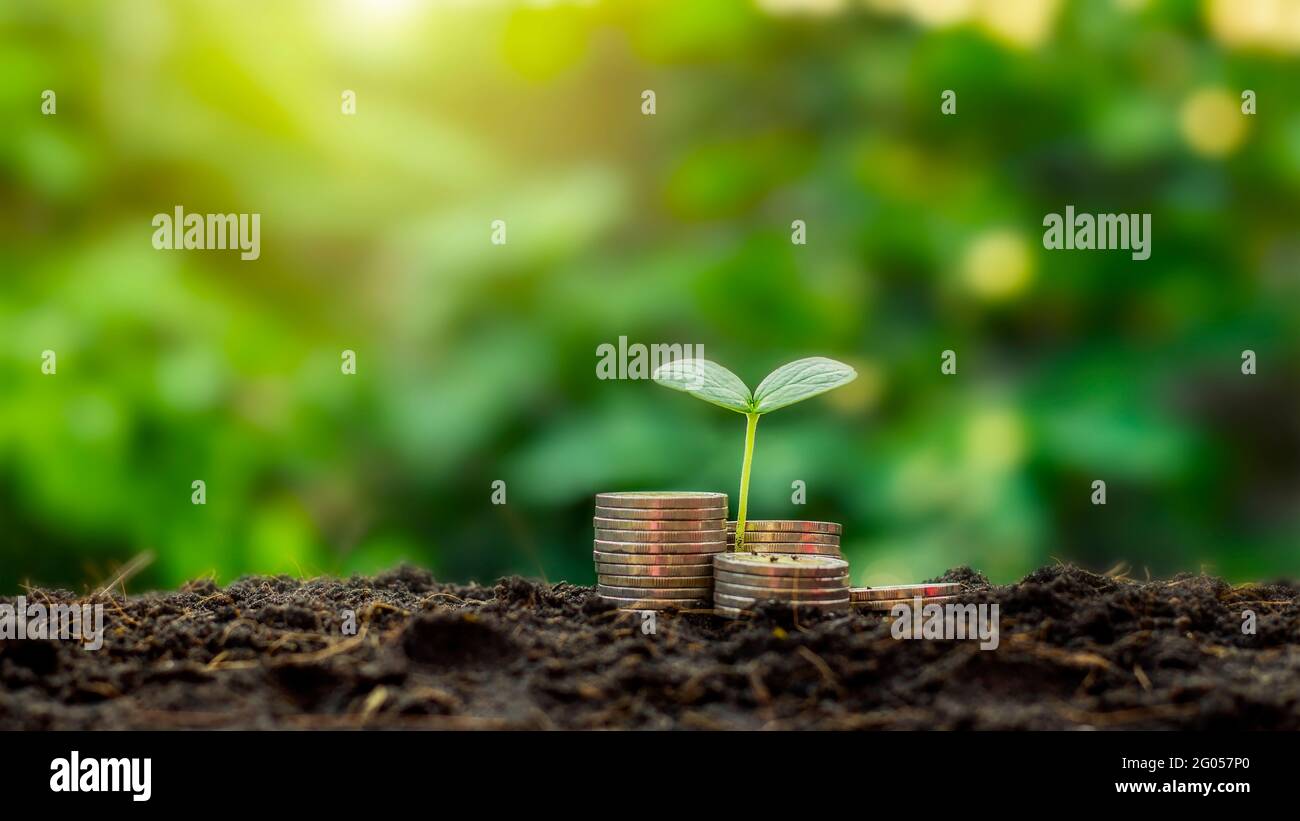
(1212, 122)
(998, 266)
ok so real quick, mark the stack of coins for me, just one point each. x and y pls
(741, 581)
(654, 551)
(885, 598)
(788, 536)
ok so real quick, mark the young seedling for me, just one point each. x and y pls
(794, 382)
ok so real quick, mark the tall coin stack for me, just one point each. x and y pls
(788, 536)
(654, 551)
(741, 581)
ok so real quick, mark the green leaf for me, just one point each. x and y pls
(708, 381)
(800, 380)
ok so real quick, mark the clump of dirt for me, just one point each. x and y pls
(456, 639)
(973, 579)
(1075, 649)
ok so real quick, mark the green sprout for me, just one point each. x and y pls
(790, 383)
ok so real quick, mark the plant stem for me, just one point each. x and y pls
(751, 423)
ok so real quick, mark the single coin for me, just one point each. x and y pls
(903, 591)
(693, 593)
(661, 582)
(653, 536)
(749, 602)
(663, 514)
(731, 612)
(788, 525)
(781, 582)
(659, 547)
(740, 613)
(752, 536)
(644, 603)
(759, 580)
(653, 559)
(791, 594)
(787, 547)
(781, 564)
(655, 524)
(662, 499)
(654, 569)
(886, 604)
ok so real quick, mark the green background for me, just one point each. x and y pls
(477, 362)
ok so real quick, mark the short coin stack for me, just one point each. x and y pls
(788, 536)
(741, 581)
(654, 551)
(885, 598)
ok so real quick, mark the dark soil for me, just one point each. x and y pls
(1077, 650)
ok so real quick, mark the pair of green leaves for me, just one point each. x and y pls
(790, 383)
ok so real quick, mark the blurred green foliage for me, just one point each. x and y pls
(477, 362)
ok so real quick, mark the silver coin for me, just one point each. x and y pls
(661, 547)
(692, 593)
(752, 536)
(654, 559)
(788, 526)
(781, 582)
(904, 591)
(731, 612)
(654, 569)
(763, 594)
(787, 547)
(644, 603)
(656, 524)
(657, 582)
(749, 602)
(782, 564)
(890, 604)
(664, 514)
(662, 499)
(653, 536)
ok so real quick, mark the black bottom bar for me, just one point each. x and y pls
(672, 772)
